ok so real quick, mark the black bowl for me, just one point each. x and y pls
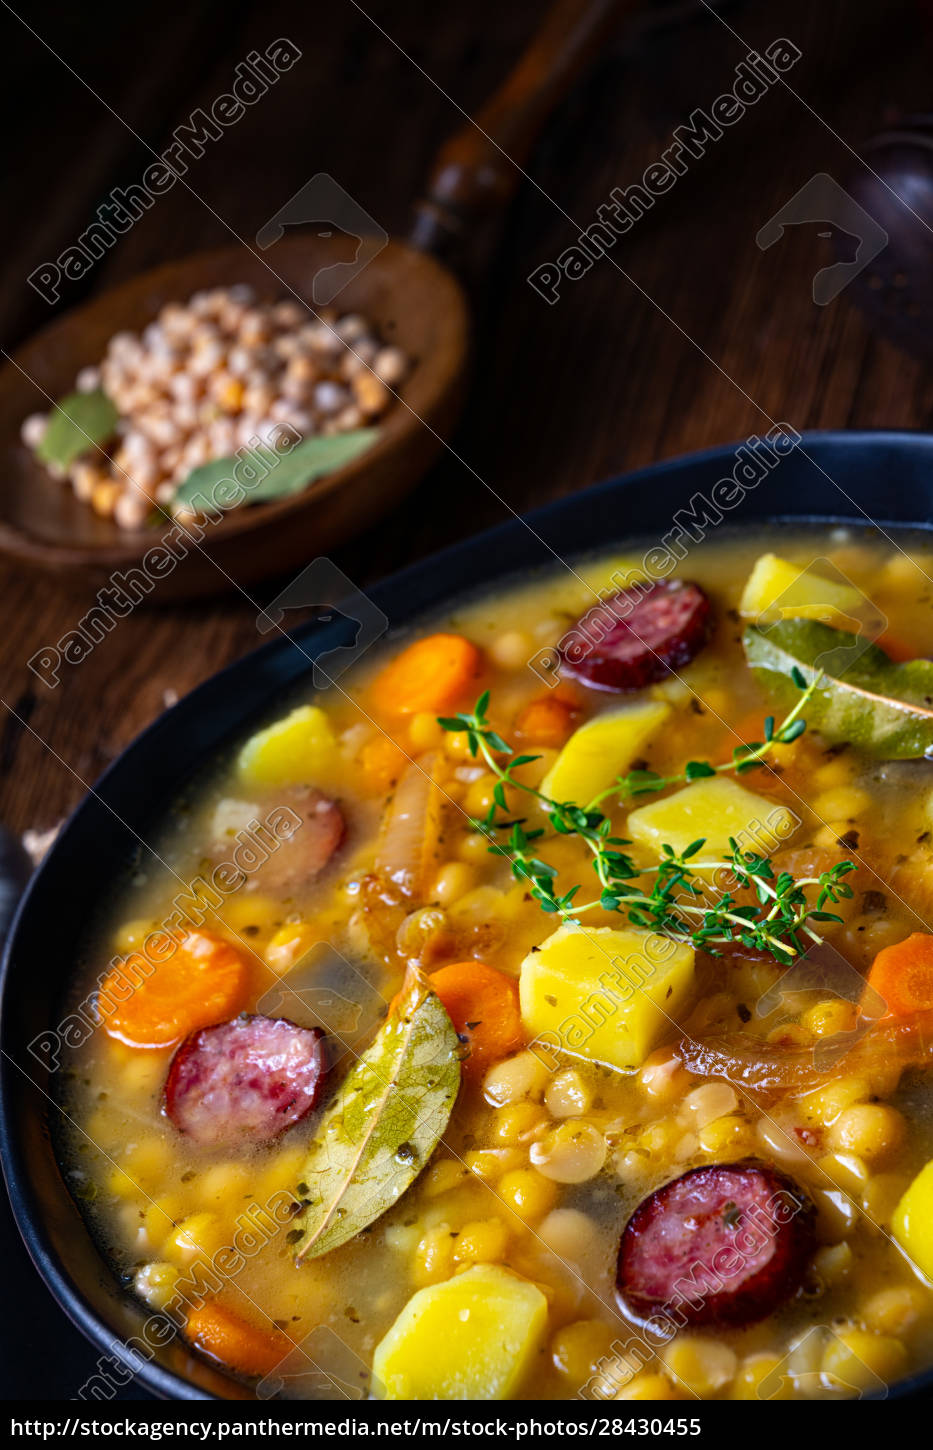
(863, 478)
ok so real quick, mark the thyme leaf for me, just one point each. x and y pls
(675, 897)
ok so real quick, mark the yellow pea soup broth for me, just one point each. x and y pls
(494, 1273)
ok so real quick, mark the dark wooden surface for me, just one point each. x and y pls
(708, 340)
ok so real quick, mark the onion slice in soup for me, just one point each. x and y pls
(407, 854)
(890, 1046)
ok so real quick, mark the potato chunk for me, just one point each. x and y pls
(777, 589)
(603, 993)
(297, 750)
(912, 1224)
(714, 809)
(470, 1338)
(602, 749)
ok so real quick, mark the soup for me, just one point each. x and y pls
(541, 1010)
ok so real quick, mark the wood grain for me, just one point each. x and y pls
(686, 336)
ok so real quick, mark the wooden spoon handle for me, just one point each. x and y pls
(477, 169)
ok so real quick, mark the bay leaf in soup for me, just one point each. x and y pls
(884, 708)
(76, 424)
(384, 1123)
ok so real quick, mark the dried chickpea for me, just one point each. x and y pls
(104, 496)
(121, 1184)
(148, 1160)
(424, 732)
(857, 1359)
(390, 364)
(706, 1103)
(847, 1170)
(527, 1193)
(701, 1365)
(228, 1182)
(370, 392)
(826, 1103)
(725, 1137)
(572, 1153)
(569, 1234)
(213, 374)
(479, 797)
(835, 772)
(632, 1165)
(131, 935)
(473, 848)
(518, 1122)
(872, 1130)
(837, 1214)
(400, 1238)
(881, 1195)
(568, 1095)
(434, 1256)
(782, 1141)
(648, 1387)
(660, 1137)
(895, 1310)
(443, 1175)
(452, 882)
(825, 1019)
(515, 1078)
(289, 944)
(457, 745)
(156, 1283)
(491, 1163)
(832, 1263)
(160, 1218)
(751, 1374)
(512, 650)
(686, 1147)
(482, 1241)
(578, 1348)
(662, 1076)
(198, 1236)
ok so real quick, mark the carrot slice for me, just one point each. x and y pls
(431, 674)
(547, 720)
(225, 1336)
(205, 980)
(903, 974)
(483, 1006)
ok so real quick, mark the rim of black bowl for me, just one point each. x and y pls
(888, 471)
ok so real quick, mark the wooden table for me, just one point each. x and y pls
(704, 340)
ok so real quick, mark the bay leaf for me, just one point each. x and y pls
(77, 423)
(280, 473)
(883, 707)
(383, 1124)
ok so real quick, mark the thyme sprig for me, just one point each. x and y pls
(675, 896)
(744, 757)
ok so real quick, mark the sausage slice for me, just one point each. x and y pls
(245, 1081)
(725, 1244)
(638, 636)
(279, 841)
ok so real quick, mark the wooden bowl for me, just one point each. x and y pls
(413, 300)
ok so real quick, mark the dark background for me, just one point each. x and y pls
(708, 340)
